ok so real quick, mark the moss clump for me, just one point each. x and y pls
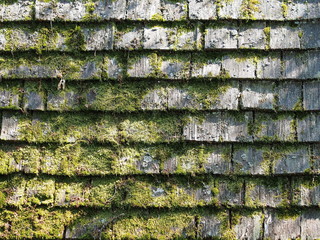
(192, 160)
(285, 7)
(207, 96)
(53, 127)
(156, 63)
(26, 159)
(75, 40)
(152, 128)
(36, 223)
(298, 106)
(75, 159)
(124, 97)
(157, 17)
(143, 225)
(40, 191)
(266, 31)
(52, 65)
(90, 7)
(47, 40)
(5, 158)
(248, 9)
(15, 191)
(105, 192)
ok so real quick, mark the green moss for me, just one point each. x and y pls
(93, 224)
(75, 40)
(190, 159)
(126, 161)
(53, 127)
(90, 7)
(8, 2)
(207, 96)
(171, 193)
(72, 193)
(170, 225)
(40, 191)
(16, 191)
(5, 158)
(75, 159)
(284, 6)
(35, 223)
(64, 99)
(3, 194)
(105, 192)
(155, 63)
(12, 94)
(248, 9)
(91, 18)
(175, 1)
(53, 65)
(182, 32)
(47, 40)
(288, 213)
(266, 31)
(123, 96)
(12, 42)
(298, 106)
(157, 17)
(151, 128)
(26, 159)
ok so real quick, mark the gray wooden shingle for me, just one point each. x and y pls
(221, 37)
(281, 228)
(143, 9)
(301, 65)
(219, 127)
(9, 126)
(250, 160)
(308, 128)
(311, 93)
(252, 36)
(21, 10)
(260, 95)
(202, 10)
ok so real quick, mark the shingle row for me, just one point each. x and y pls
(158, 10)
(161, 36)
(199, 223)
(137, 96)
(293, 65)
(82, 160)
(160, 127)
(174, 192)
